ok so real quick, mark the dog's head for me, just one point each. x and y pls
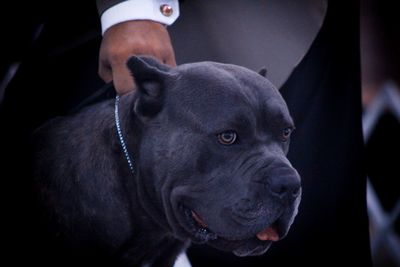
(212, 160)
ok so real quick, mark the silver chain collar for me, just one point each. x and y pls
(121, 138)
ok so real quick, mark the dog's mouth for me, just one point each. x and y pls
(198, 227)
(202, 232)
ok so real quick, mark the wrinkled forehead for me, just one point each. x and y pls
(214, 94)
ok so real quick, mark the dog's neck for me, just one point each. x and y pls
(131, 130)
(128, 140)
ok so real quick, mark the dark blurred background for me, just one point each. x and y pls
(380, 58)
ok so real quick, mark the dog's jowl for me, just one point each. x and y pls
(196, 153)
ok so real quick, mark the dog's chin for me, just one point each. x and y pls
(242, 248)
(250, 249)
(197, 230)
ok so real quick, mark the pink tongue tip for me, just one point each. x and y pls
(268, 234)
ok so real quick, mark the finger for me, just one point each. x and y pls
(105, 72)
(170, 60)
(122, 79)
(169, 55)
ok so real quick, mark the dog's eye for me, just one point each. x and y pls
(227, 137)
(286, 133)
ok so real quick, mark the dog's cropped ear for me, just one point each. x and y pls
(150, 77)
(263, 72)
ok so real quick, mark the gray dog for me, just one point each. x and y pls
(197, 154)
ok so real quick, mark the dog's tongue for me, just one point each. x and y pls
(268, 234)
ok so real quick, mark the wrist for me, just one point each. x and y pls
(161, 11)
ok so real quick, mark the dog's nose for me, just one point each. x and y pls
(285, 187)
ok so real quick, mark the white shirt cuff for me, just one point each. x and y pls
(140, 10)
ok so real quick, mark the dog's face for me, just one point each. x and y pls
(212, 160)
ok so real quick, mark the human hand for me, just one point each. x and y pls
(123, 40)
